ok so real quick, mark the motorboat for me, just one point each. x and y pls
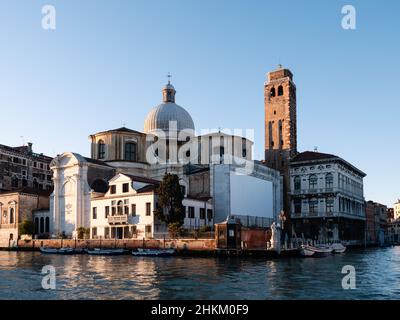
(338, 248)
(106, 252)
(57, 251)
(154, 252)
(317, 251)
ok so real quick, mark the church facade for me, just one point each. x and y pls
(212, 168)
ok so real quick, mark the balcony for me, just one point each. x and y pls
(314, 191)
(315, 214)
(121, 219)
(8, 226)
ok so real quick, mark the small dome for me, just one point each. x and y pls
(160, 116)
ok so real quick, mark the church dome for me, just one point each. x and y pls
(159, 117)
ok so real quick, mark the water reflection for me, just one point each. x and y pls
(128, 277)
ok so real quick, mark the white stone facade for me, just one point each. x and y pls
(396, 210)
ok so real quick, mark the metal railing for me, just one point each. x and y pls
(121, 219)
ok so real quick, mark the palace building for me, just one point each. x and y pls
(20, 167)
(322, 193)
(112, 192)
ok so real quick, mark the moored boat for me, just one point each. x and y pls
(106, 252)
(338, 248)
(305, 251)
(57, 251)
(154, 252)
(318, 251)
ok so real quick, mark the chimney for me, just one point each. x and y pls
(29, 147)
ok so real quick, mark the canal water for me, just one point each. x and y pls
(128, 277)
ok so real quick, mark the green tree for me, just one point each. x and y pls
(82, 232)
(26, 227)
(170, 209)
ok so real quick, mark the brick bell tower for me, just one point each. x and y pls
(280, 127)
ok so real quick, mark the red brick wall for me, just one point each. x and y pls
(255, 238)
(190, 244)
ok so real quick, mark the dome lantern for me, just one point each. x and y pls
(159, 117)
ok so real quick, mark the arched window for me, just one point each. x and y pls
(297, 183)
(329, 180)
(36, 225)
(12, 216)
(101, 149)
(130, 151)
(272, 92)
(41, 229)
(313, 180)
(120, 207)
(280, 91)
(47, 225)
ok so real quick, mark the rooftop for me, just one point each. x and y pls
(312, 156)
(27, 190)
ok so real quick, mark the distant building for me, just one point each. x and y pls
(377, 222)
(396, 209)
(17, 206)
(20, 167)
(327, 198)
(390, 214)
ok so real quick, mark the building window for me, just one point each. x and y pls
(37, 225)
(329, 181)
(125, 187)
(94, 213)
(120, 206)
(202, 213)
(329, 205)
(47, 225)
(107, 211)
(183, 190)
(313, 180)
(94, 232)
(133, 211)
(126, 210)
(297, 183)
(313, 206)
(34, 164)
(191, 212)
(209, 214)
(107, 232)
(130, 151)
(12, 216)
(280, 91)
(272, 92)
(297, 206)
(101, 149)
(113, 189)
(148, 229)
(148, 209)
(41, 230)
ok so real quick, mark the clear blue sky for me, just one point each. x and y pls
(106, 62)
